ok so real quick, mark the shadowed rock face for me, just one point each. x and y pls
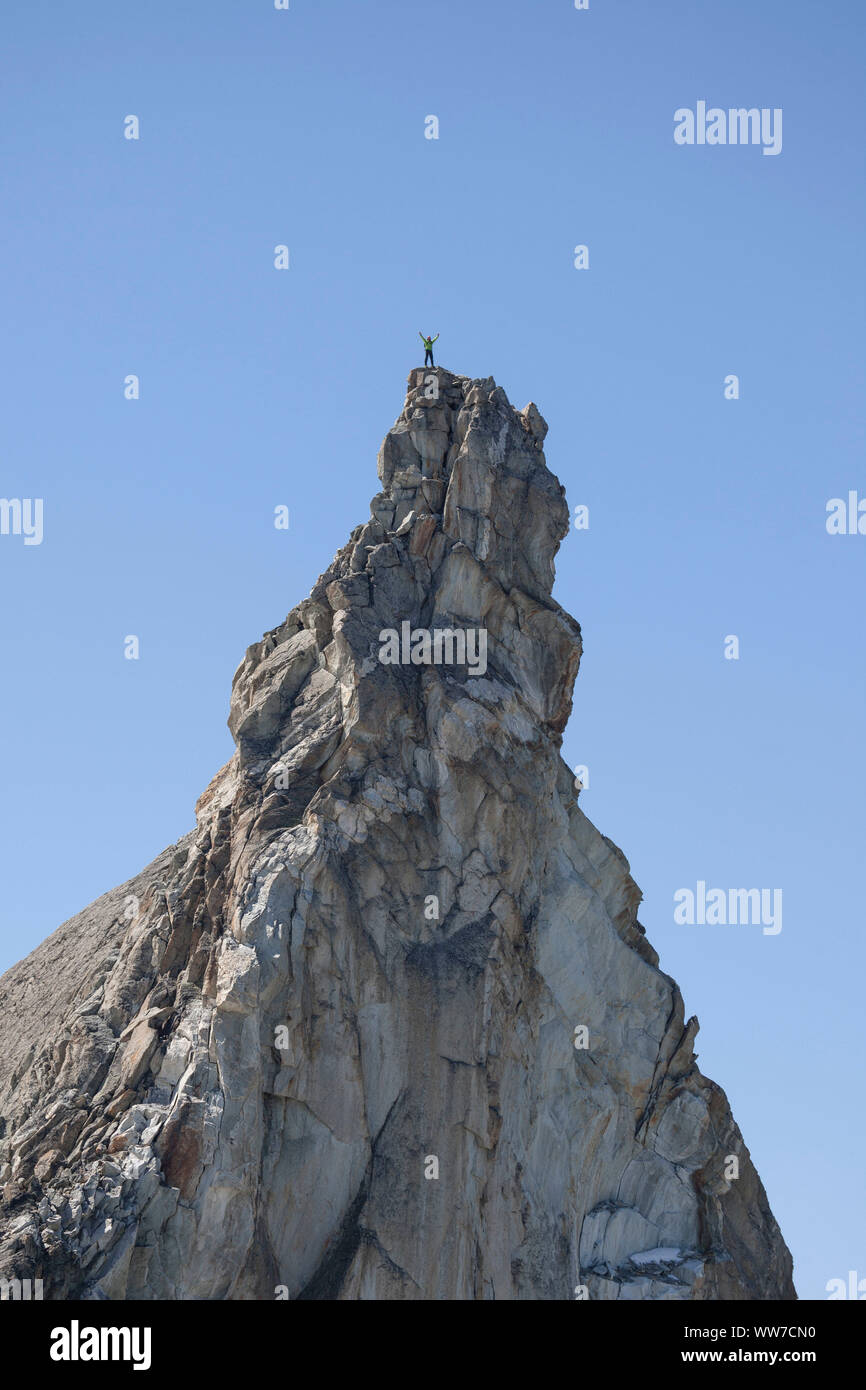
(233, 1073)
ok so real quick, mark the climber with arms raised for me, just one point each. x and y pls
(428, 348)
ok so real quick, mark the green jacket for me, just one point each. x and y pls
(428, 342)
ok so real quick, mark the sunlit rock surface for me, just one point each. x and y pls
(237, 1076)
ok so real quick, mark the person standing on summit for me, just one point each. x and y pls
(428, 348)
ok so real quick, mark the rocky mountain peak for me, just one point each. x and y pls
(385, 1023)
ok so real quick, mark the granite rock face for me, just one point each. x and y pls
(385, 1024)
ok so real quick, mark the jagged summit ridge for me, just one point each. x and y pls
(231, 1076)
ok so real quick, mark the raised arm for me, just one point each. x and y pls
(421, 336)
(437, 335)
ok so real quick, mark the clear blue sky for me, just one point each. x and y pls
(260, 387)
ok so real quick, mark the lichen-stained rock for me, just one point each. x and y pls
(385, 1025)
